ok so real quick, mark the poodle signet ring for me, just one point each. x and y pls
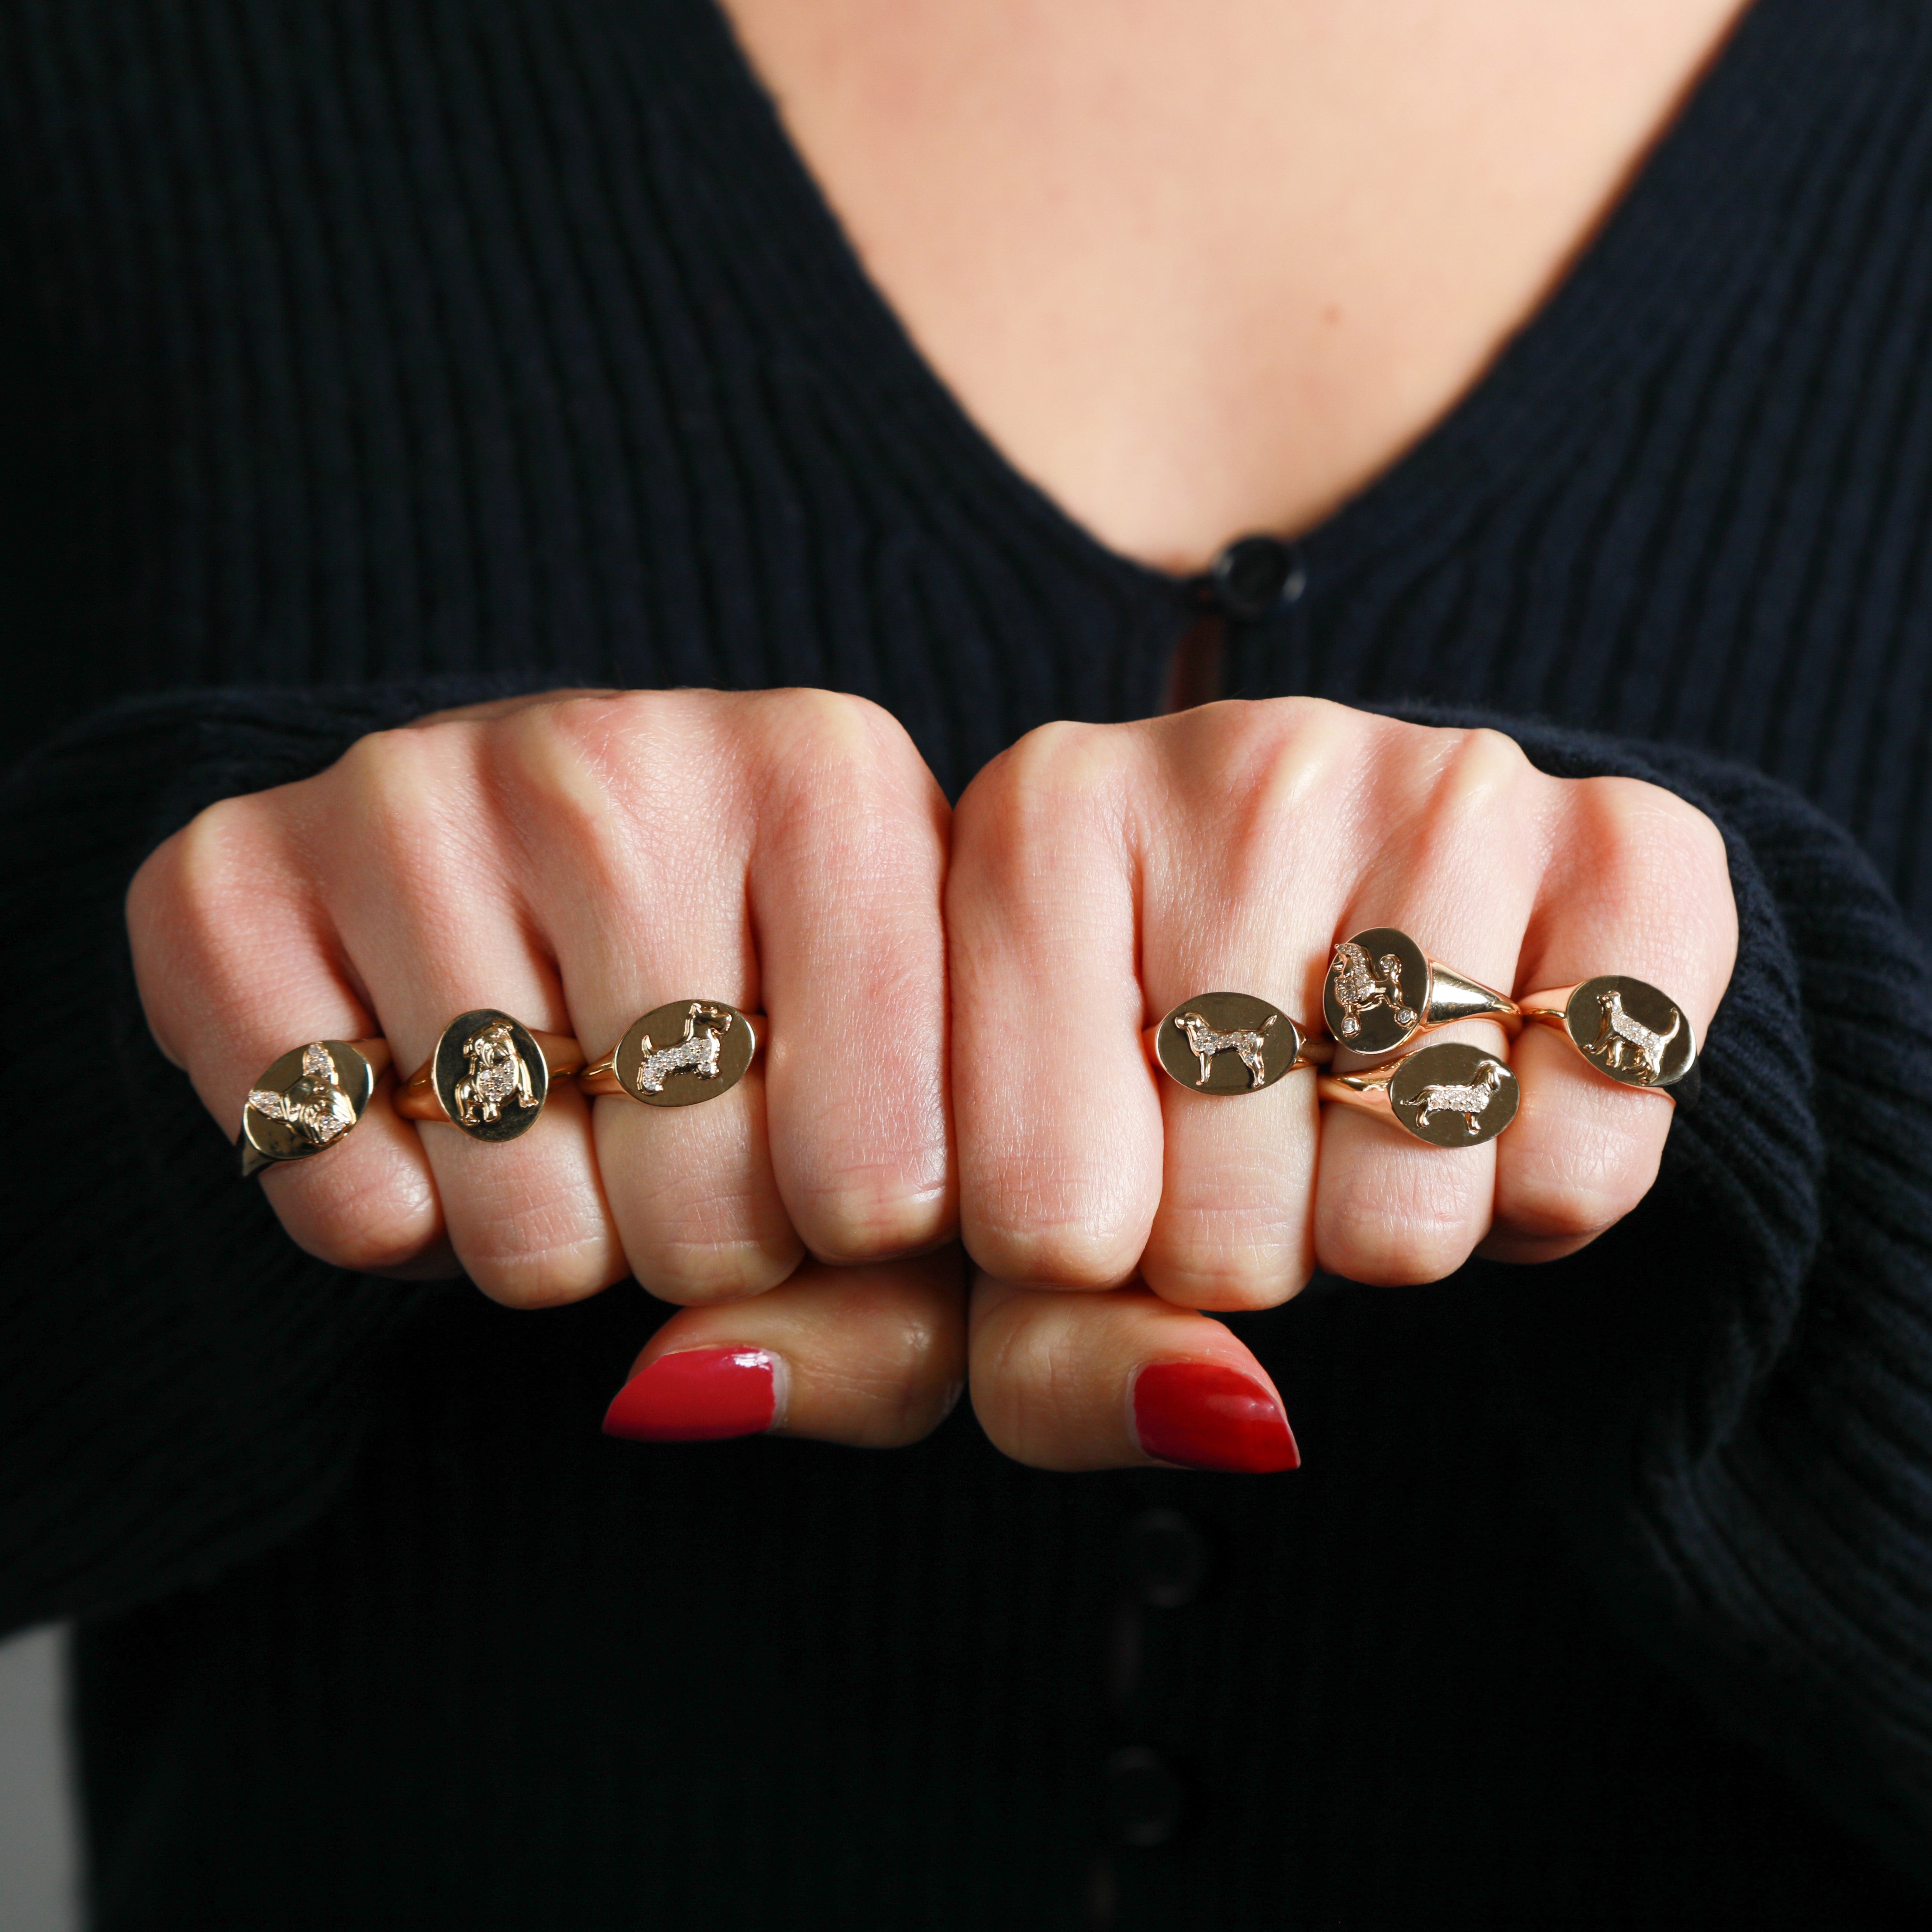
(1627, 1029)
(1229, 1043)
(1451, 1095)
(489, 1075)
(310, 1100)
(677, 1055)
(1382, 990)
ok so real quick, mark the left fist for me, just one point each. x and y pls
(1102, 874)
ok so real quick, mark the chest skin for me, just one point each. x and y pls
(1203, 266)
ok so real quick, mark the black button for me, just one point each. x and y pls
(1144, 1797)
(1166, 1558)
(1255, 574)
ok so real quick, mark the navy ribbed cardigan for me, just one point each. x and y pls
(360, 356)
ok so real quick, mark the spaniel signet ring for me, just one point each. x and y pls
(677, 1055)
(1627, 1030)
(310, 1100)
(1225, 1043)
(489, 1074)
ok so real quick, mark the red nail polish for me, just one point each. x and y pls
(697, 1395)
(1204, 1416)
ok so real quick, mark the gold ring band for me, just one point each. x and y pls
(1229, 1043)
(1451, 1095)
(1382, 989)
(677, 1055)
(488, 1075)
(1627, 1030)
(310, 1099)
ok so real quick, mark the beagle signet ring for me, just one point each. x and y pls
(310, 1100)
(1382, 990)
(677, 1055)
(489, 1074)
(1451, 1095)
(1627, 1030)
(1225, 1043)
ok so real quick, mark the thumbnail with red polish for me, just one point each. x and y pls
(698, 1395)
(1205, 1416)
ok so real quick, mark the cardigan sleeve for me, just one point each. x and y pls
(1731, 1394)
(180, 1387)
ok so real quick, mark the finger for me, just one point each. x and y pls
(1071, 1381)
(1059, 1125)
(1638, 884)
(1388, 1209)
(872, 1357)
(236, 964)
(656, 806)
(845, 886)
(526, 1218)
(1232, 901)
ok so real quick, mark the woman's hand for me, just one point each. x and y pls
(576, 860)
(1102, 874)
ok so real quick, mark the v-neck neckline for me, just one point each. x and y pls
(1661, 257)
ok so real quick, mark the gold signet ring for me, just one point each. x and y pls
(677, 1055)
(1229, 1043)
(1451, 1095)
(1627, 1029)
(309, 1100)
(489, 1075)
(1382, 990)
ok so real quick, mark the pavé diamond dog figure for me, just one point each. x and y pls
(1620, 1036)
(1469, 1099)
(1359, 988)
(1207, 1043)
(696, 1053)
(497, 1077)
(318, 1106)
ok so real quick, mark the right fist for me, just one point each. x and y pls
(577, 859)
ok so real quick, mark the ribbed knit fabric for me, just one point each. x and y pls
(366, 355)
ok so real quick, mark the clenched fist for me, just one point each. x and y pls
(575, 860)
(1102, 874)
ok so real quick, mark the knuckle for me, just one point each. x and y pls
(1575, 1185)
(209, 913)
(1428, 1238)
(1055, 768)
(535, 1255)
(398, 788)
(210, 863)
(557, 775)
(830, 751)
(385, 1235)
(695, 1273)
(368, 1220)
(1053, 1228)
(1654, 860)
(1210, 1264)
(871, 1216)
(1481, 773)
(1565, 1214)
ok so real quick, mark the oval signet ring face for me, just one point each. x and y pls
(1226, 1043)
(489, 1075)
(306, 1103)
(1627, 1029)
(1453, 1095)
(1377, 990)
(690, 1050)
